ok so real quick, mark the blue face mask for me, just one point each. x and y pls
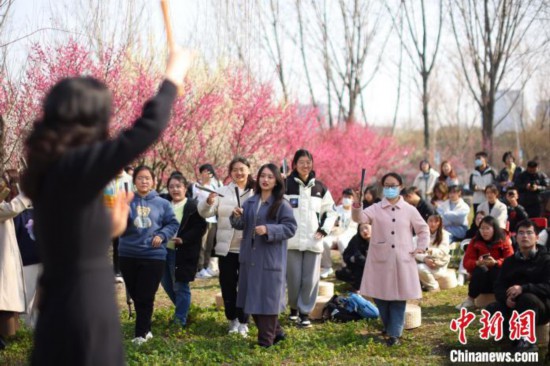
(391, 192)
(478, 163)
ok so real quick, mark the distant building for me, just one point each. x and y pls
(509, 111)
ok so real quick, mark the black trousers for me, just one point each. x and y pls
(525, 301)
(229, 282)
(142, 278)
(482, 281)
(268, 328)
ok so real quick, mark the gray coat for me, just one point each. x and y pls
(263, 258)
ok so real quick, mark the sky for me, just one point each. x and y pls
(198, 25)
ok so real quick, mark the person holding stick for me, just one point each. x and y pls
(71, 156)
(390, 275)
(267, 222)
(228, 239)
(313, 209)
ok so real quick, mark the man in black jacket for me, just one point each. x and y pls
(531, 184)
(524, 282)
(413, 196)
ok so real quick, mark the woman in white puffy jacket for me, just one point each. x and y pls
(228, 240)
(313, 209)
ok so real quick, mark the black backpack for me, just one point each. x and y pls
(335, 310)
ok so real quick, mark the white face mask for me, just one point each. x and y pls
(347, 201)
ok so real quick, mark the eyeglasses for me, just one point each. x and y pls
(525, 233)
(391, 186)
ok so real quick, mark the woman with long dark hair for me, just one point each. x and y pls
(267, 222)
(228, 239)
(432, 264)
(70, 161)
(484, 257)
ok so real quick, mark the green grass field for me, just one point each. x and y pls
(205, 341)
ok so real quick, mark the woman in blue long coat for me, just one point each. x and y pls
(267, 222)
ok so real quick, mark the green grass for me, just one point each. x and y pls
(205, 341)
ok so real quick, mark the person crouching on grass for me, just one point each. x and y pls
(267, 222)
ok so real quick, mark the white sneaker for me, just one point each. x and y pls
(139, 341)
(119, 279)
(234, 326)
(212, 272)
(203, 274)
(148, 336)
(326, 272)
(243, 330)
(468, 303)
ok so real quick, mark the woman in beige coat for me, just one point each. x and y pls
(12, 284)
(390, 275)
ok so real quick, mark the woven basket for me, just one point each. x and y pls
(317, 312)
(326, 288)
(482, 300)
(448, 281)
(542, 331)
(219, 301)
(413, 316)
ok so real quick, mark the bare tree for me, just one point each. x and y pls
(491, 36)
(415, 42)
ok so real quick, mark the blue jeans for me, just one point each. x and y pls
(392, 314)
(178, 292)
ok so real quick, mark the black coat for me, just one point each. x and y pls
(356, 249)
(425, 209)
(79, 318)
(533, 275)
(191, 230)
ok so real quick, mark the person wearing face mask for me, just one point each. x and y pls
(524, 282)
(425, 180)
(342, 232)
(390, 275)
(481, 177)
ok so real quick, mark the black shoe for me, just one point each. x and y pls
(2, 344)
(525, 346)
(293, 315)
(279, 337)
(304, 321)
(393, 341)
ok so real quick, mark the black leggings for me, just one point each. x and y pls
(142, 278)
(229, 281)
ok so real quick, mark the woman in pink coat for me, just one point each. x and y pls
(390, 275)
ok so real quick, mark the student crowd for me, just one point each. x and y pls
(268, 237)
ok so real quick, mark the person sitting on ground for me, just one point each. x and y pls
(342, 232)
(516, 212)
(455, 213)
(355, 257)
(524, 282)
(493, 206)
(413, 197)
(432, 264)
(484, 257)
(441, 193)
(370, 196)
